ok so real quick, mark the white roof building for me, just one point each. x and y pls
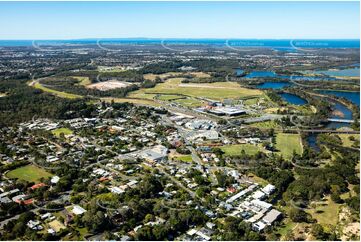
(55, 179)
(78, 210)
(269, 189)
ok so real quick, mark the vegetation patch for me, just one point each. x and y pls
(83, 80)
(132, 100)
(29, 173)
(236, 150)
(265, 125)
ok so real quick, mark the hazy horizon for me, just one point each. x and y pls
(180, 20)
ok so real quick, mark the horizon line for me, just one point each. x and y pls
(176, 38)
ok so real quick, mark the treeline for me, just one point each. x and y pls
(23, 103)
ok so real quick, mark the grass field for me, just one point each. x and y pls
(287, 143)
(258, 179)
(65, 131)
(234, 150)
(55, 92)
(326, 212)
(190, 102)
(214, 91)
(29, 173)
(346, 141)
(169, 97)
(184, 158)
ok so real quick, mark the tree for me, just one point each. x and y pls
(298, 215)
(317, 231)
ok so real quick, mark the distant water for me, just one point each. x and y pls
(353, 97)
(293, 99)
(285, 44)
(261, 74)
(350, 72)
(274, 85)
(239, 72)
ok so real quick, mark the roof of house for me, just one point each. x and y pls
(36, 186)
(271, 216)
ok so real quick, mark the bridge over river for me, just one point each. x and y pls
(338, 131)
(337, 120)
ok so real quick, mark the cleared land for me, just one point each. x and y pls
(235, 150)
(65, 131)
(56, 225)
(287, 143)
(108, 85)
(214, 91)
(54, 92)
(29, 173)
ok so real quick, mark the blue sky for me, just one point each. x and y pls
(273, 20)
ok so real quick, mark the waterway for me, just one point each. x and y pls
(293, 99)
(349, 72)
(312, 141)
(353, 97)
(273, 85)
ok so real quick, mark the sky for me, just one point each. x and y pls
(259, 20)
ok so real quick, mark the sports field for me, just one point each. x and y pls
(287, 143)
(29, 173)
(214, 91)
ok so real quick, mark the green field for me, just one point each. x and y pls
(169, 97)
(214, 91)
(55, 92)
(235, 150)
(65, 131)
(29, 173)
(346, 141)
(325, 212)
(287, 143)
(184, 158)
